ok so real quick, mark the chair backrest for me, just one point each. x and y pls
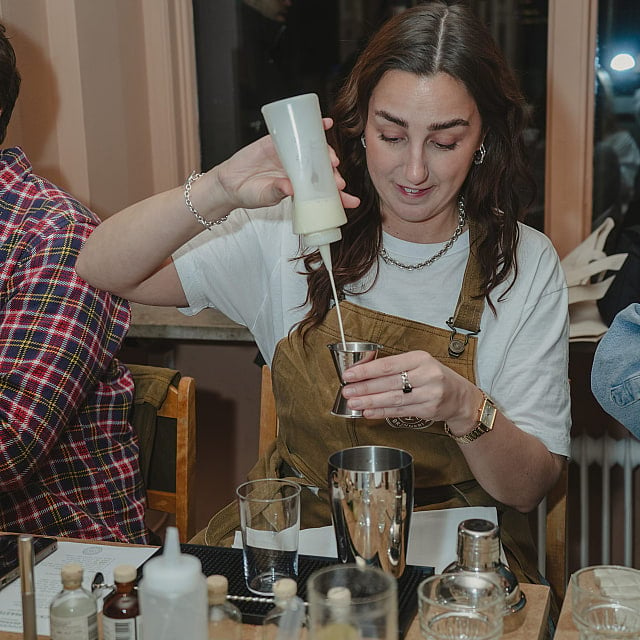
(170, 486)
(555, 515)
(556, 536)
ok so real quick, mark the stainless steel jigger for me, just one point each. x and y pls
(345, 355)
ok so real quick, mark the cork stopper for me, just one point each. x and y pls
(284, 589)
(339, 595)
(217, 588)
(71, 575)
(339, 600)
(124, 573)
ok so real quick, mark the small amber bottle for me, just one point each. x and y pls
(121, 610)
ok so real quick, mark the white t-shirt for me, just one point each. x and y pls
(243, 267)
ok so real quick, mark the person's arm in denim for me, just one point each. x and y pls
(615, 375)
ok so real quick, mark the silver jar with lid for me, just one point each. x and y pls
(479, 552)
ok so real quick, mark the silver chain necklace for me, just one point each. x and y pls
(462, 217)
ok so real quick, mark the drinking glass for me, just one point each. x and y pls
(270, 527)
(352, 602)
(605, 602)
(460, 605)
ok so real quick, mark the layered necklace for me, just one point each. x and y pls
(462, 217)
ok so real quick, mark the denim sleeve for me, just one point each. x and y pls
(615, 375)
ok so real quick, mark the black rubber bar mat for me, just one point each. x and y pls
(228, 562)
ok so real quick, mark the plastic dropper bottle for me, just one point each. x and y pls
(288, 616)
(225, 619)
(173, 594)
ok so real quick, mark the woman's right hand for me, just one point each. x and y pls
(254, 176)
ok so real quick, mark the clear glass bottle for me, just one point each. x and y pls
(284, 594)
(225, 619)
(73, 612)
(121, 609)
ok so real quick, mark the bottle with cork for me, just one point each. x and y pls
(288, 616)
(73, 612)
(225, 619)
(121, 610)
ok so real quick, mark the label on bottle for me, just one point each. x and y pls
(121, 629)
(64, 628)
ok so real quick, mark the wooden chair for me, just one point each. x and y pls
(555, 528)
(556, 536)
(171, 487)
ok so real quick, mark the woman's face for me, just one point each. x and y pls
(421, 134)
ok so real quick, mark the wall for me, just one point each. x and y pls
(108, 104)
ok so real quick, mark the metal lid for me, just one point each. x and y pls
(478, 545)
(479, 551)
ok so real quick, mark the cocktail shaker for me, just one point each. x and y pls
(371, 494)
(479, 553)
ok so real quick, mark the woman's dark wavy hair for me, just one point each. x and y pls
(434, 37)
(9, 82)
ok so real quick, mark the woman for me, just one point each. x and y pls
(469, 305)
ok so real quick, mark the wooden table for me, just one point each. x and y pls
(534, 625)
(566, 630)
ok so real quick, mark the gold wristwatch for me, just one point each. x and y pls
(486, 417)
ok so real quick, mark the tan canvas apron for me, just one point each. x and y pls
(305, 384)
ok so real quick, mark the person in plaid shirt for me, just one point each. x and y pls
(68, 454)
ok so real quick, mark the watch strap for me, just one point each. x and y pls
(486, 417)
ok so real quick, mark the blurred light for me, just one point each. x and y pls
(622, 62)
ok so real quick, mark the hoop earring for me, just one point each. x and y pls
(478, 156)
(363, 141)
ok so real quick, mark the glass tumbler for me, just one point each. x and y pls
(605, 602)
(460, 605)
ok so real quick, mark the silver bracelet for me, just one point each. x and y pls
(187, 200)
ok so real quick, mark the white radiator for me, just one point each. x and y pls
(606, 453)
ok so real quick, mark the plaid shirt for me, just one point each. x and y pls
(68, 455)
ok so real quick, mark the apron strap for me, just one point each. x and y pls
(470, 302)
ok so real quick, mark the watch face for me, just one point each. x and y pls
(488, 414)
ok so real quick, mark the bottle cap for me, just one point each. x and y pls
(319, 238)
(478, 545)
(124, 573)
(71, 574)
(284, 588)
(217, 588)
(339, 595)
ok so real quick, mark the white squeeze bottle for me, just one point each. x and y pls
(173, 595)
(295, 125)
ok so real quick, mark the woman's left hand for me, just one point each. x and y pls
(410, 384)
